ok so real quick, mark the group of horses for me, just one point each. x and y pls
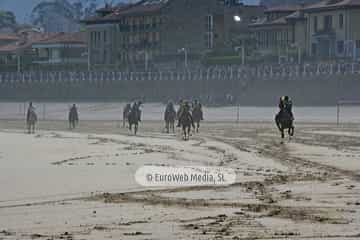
(186, 121)
(131, 115)
(31, 119)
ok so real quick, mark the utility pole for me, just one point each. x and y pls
(146, 61)
(243, 54)
(18, 63)
(184, 50)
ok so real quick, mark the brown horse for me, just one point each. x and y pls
(134, 119)
(197, 114)
(186, 121)
(170, 117)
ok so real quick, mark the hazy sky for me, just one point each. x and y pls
(22, 8)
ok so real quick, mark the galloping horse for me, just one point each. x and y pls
(284, 121)
(186, 121)
(170, 116)
(73, 117)
(133, 119)
(126, 113)
(31, 119)
(197, 114)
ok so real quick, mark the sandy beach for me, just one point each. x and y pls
(61, 184)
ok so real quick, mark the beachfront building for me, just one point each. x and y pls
(61, 50)
(16, 54)
(162, 31)
(332, 29)
(281, 33)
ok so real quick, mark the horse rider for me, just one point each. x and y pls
(170, 107)
(74, 112)
(197, 106)
(31, 108)
(136, 107)
(285, 104)
(127, 108)
(186, 112)
(139, 105)
(180, 111)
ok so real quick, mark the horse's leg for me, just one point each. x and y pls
(135, 128)
(167, 126)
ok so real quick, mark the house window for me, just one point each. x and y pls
(313, 49)
(341, 21)
(357, 43)
(210, 31)
(328, 22)
(315, 24)
(340, 47)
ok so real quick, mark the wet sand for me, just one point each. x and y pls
(61, 184)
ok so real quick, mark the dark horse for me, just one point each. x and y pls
(73, 117)
(31, 119)
(170, 116)
(186, 121)
(197, 115)
(133, 119)
(284, 121)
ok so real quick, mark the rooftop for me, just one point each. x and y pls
(64, 38)
(25, 43)
(283, 8)
(144, 7)
(332, 4)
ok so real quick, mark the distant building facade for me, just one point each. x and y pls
(32, 50)
(61, 49)
(333, 30)
(163, 30)
(282, 31)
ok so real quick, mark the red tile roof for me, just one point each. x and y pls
(4, 36)
(21, 45)
(64, 38)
